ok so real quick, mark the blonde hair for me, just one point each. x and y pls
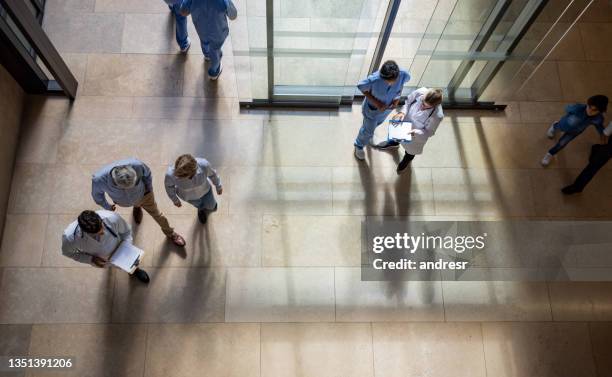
(185, 166)
(433, 97)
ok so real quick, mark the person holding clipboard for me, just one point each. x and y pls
(423, 109)
(102, 239)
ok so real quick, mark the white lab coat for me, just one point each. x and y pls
(82, 246)
(426, 121)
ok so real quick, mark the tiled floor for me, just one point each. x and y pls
(271, 286)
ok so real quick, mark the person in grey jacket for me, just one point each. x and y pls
(129, 184)
(95, 236)
(188, 179)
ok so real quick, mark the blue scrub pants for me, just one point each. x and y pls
(372, 118)
(212, 50)
(181, 26)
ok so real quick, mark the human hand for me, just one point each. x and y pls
(219, 190)
(178, 204)
(98, 262)
(113, 207)
(398, 117)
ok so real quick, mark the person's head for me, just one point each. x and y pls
(389, 71)
(124, 176)
(432, 98)
(185, 166)
(596, 105)
(90, 222)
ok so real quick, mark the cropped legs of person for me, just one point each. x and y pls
(205, 205)
(148, 204)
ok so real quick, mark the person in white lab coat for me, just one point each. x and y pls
(95, 236)
(423, 108)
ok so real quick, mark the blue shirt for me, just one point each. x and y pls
(382, 91)
(102, 182)
(576, 120)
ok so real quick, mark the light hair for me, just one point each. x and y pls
(185, 166)
(433, 97)
(124, 176)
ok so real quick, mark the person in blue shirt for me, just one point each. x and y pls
(382, 91)
(182, 37)
(576, 119)
(210, 20)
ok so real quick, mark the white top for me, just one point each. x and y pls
(608, 130)
(425, 122)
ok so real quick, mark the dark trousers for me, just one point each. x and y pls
(596, 162)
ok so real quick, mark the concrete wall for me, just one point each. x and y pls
(11, 107)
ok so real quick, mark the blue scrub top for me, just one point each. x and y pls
(576, 120)
(382, 91)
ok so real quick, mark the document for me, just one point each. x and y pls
(400, 131)
(126, 257)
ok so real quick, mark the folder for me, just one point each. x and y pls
(126, 257)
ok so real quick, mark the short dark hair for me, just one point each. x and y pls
(600, 102)
(389, 70)
(90, 222)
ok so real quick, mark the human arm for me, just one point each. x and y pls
(147, 178)
(121, 227)
(211, 174)
(185, 7)
(97, 192)
(365, 87)
(170, 186)
(70, 250)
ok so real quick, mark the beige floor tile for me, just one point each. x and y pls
(55, 295)
(151, 33)
(69, 6)
(94, 107)
(311, 241)
(86, 32)
(431, 349)
(580, 80)
(30, 188)
(132, 6)
(581, 301)
(598, 11)
(601, 338)
(134, 75)
(183, 108)
(280, 295)
(15, 341)
(544, 85)
(549, 200)
(231, 350)
(287, 190)
(174, 295)
(45, 107)
(482, 192)
(52, 249)
(595, 36)
(98, 350)
(571, 46)
(542, 112)
(224, 241)
(22, 243)
(210, 138)
(496, 301)
(39, 140)
(197, 83)
(367, 191)
(385, 301)
(310, 350)
(72, 190)
(537, 349)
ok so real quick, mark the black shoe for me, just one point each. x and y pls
(202, 215)
(141, 275)
(404, 163)
(391, 144)
(137, 213)
(571, 189)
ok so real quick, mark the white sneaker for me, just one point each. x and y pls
(184, 50)
(551, 131)
(359, 153)
(546, 160)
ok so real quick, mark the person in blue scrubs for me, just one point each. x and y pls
(182, 38)
(382, 91)
(210, 20)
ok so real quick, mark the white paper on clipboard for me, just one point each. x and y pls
(126, 257)
(400, 131)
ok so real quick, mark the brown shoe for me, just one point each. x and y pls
(177, 239)
(137, 213)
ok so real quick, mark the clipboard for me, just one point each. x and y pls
(126, 257)
(399, 131)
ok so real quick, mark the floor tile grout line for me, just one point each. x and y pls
(146, 348)
(484, 353)
(373, 353)
(550, 303)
